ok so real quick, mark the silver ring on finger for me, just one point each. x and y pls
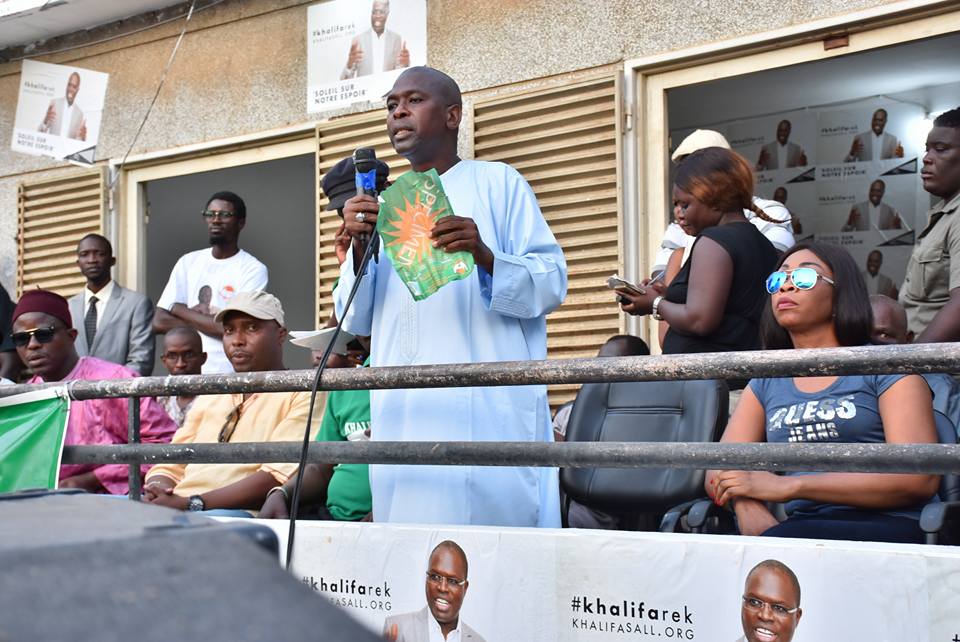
(360, 217)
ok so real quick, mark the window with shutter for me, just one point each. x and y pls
(53, 215)
(565, 142)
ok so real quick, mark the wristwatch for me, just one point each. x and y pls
(195, 503)
(655, 309)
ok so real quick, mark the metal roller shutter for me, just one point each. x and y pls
(565, 142)
(53, 215)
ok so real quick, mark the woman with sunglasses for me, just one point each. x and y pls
(818, 299)
(715, 301)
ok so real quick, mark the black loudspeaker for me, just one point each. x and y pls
(77, 567)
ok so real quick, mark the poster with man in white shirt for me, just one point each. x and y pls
(874, 135)
(873, 213)
(356, 49)
(781, 153)
(782, 146)
(59, 111)
(876, 144)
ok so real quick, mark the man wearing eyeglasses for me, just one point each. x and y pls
(204, 281)
(446, 586)
(771, 603)
(182, 355)
(44, 338)
(253, 338)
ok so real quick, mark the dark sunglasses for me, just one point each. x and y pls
(43, 335)
(803, 278)
(230, 425)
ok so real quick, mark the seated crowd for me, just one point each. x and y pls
(709, 296)
(108, 332)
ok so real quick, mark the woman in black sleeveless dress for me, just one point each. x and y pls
(715, 301)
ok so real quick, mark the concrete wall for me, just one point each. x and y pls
(241, 67)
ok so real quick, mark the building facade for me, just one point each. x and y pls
(576, 95)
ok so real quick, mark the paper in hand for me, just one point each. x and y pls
(408, 211)
(319, 339)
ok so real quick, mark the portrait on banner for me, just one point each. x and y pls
(59, 111)
(357, 48)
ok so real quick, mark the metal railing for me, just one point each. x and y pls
(890, 458)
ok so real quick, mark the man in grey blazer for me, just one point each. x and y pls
(440, 619)
(781, 154)
(873, 213)
(875, 144)
(113, 323)
(64, 117)
(376, 49)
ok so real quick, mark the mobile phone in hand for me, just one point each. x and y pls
(614, 282)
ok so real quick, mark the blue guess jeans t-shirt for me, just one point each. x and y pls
(846, 411)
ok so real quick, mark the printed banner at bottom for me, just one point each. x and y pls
(502, 585)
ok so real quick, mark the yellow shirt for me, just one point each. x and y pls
(274, 416)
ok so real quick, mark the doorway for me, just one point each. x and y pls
(830, 112)
(280, 231)
(898, 57)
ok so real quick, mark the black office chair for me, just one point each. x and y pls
(658, 411)
(939, 520)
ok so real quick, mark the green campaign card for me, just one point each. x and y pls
(408, 211)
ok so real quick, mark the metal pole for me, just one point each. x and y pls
(133, 437)
(915, 358)
(886, 458)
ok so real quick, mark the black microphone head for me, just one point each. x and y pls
(365, 159)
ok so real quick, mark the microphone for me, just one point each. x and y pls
(365, 168)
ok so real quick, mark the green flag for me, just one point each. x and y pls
(408, 211)
(32, 430)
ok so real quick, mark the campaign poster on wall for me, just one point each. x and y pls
(357, 48)
(503, 585)
(783, 142)
(59, 111)
(847, 174)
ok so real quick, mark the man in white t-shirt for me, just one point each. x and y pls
(674, 238)
(203, 282)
